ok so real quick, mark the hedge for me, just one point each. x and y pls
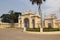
(50, 29)
(33, 29)
(44, 29)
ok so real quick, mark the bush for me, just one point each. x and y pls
(44, 29)
(50, 29)
(33, 29)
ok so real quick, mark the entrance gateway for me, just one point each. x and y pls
(29, 20)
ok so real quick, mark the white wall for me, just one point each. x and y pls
(5, 25)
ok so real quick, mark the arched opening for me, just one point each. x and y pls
(26, 22)
(33, 23)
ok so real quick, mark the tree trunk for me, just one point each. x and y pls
(41, 21)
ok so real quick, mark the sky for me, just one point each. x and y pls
(47, 7)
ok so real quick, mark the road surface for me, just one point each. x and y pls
(16, 34)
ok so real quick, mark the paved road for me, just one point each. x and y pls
(15, 34)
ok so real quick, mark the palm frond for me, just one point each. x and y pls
(36, 1)
(44, 0)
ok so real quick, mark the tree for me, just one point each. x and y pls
(17, 15)
(4, 18)
(39, 2)
(12, 16)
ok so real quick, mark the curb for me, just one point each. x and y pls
(58, 32)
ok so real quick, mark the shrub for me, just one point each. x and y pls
(44, 29)
(33, 29)
(50, 29)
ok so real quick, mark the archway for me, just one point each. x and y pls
(26, 22)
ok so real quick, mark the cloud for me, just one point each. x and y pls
(51, 6)
(53, 3)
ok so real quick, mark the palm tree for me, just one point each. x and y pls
(39, 2)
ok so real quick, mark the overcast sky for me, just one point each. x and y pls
(48, 7)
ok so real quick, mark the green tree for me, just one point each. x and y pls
(4, 18)
(17, 15)
(13, 16)
(10, 18)
(38, 2)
